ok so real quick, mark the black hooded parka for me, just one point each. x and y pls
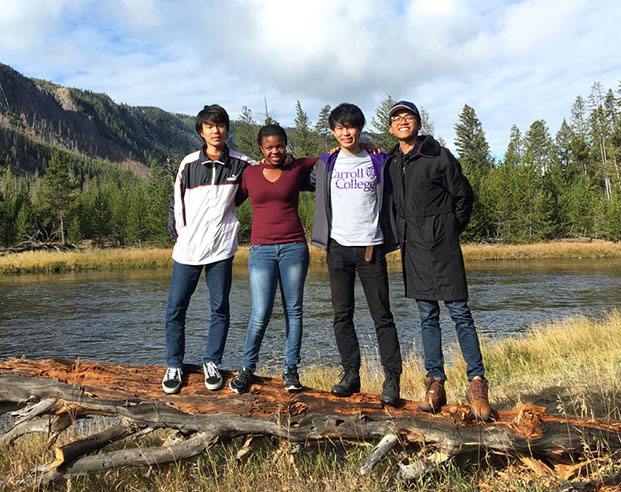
(433, 202)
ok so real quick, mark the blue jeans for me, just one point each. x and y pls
(432, 337)
(218, 276)
(269, 265)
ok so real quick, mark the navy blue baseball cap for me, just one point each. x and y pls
(410, 106)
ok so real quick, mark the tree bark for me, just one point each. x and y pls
(133, 392)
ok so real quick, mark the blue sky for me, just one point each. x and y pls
(514, 62)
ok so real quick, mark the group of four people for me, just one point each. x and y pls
(366, 205)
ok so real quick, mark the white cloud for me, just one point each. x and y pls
(513, 61)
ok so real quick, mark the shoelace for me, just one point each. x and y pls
(347, 376)
(479, 388)
(244, 376)
(172, 373)
(212, 370)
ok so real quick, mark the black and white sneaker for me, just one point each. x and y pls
(241, 383)
(213, 378)
(291, 379)
(172, 380)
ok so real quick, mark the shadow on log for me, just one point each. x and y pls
(54, 393)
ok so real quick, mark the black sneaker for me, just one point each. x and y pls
(349, 384)
(241, 383)
(390, 389)
(291, 379)
(213, 378)
(172, 380)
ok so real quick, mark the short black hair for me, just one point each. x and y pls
(271, 130)
(348, 115)
(213, 113)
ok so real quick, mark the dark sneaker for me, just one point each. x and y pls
(476, 394)
(213, 378)
(390, 389)
(172, 380)
(241, 383)
(435, 396)
(349, 383)
(291, 379)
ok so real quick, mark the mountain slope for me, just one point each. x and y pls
(36, 115)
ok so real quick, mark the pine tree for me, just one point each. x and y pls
(513, 155)
(381, 123)
(501, 192)
(268, 114)
(563, 147)
(5, 221)
(100, 216)
(74, 231)
(584, 202)
(159, 193)
(306, 209)
(538, 145)
(612, 226)
(470, 141)
(304, 140)
(245, 135)
(25, 225)
(58, 192)
(578, 116)
(475, 158)
(244, 215)
(601, 129)
(426, 125)
(119, 207)
(322, 127)
(138, 216)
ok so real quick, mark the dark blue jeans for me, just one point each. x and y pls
(432, 337)
(343, 263)
(269, 265)
(183, 283)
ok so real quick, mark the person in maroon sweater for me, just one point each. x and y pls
(278, 252)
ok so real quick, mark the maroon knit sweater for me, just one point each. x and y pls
(275, 217)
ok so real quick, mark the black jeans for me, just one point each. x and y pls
(343, 262)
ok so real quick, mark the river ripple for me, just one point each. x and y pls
(117, 316)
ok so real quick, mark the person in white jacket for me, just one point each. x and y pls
(202, 220)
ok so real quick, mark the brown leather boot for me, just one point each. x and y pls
(435, 397)
(479, 401)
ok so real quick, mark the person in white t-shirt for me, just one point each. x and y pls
(351, 224)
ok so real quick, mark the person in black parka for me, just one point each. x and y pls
(433, 203)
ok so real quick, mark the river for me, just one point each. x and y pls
(117, 316)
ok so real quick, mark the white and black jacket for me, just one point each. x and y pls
(202, 216)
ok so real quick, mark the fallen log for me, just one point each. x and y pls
(132, 392)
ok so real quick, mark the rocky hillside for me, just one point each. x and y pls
(37, 117)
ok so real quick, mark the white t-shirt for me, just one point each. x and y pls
(355, 207)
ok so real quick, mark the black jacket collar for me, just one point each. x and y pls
(223, 159)
(430, 147)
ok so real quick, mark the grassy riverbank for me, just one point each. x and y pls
(137, 258)
(571, 366)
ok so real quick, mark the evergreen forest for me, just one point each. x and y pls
(547, 185)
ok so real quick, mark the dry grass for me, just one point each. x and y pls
(554, 249)
(574, 363)
(136, 258)
(571, 366)
(86, 259)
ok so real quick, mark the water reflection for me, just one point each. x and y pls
(118, 315)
